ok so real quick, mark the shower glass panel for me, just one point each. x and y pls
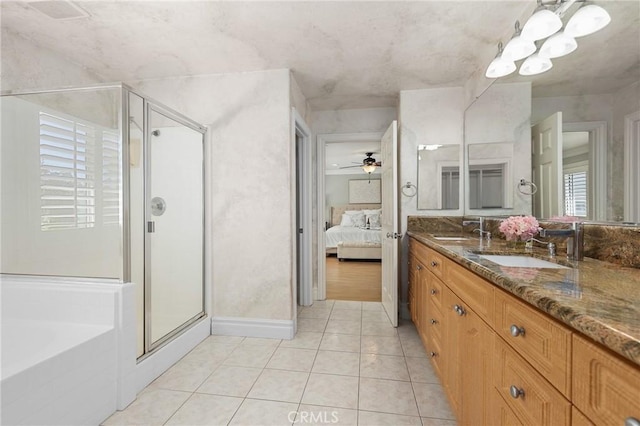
(62, 183)
(175, 224)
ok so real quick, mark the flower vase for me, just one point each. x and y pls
(516, 245)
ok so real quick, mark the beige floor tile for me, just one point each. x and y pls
(333, 362)
(420, 370)
(257, 341)
(413, 348)
(331, 391)
(378, 328)
(427, 421)
(314, 312)
(347, 304)
(381, 345)
(370, 418)
(292, 359)
(312, 324)
(372, 306)
(387, 396)
(376, 316)
(303, 340)
(340, 342)
(344, 326)
(346, 314)
(255, 356)
(383, 367)
(254, 412)
(323, 303)
(314, 415)
(223, 340)
(230, 381)
(432, 401)
(279, 385)
(206, 410)
(183, 376)
(152, 407)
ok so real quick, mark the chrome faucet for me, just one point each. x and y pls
(550, 246)
(575, 239)
(480, 223)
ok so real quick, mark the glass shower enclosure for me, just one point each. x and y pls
(103, 182)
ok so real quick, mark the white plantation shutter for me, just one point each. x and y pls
(110, 178)
(67, 173)
(575, 194)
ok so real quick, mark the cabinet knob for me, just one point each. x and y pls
(516, 392)
(419, 268)
(434, 263)
(433, 321)
(432, 354)
(516, 331)
(631, 421)
(434, 291)
(459, 310)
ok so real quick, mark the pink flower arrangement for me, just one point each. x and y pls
(520, 228)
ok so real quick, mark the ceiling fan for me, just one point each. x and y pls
(368, 164)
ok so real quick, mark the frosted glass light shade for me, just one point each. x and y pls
(369, 168)
(542, 24)
(535, 64)
(587, 20)
(558, 45)
(500, 67)
(518, 48)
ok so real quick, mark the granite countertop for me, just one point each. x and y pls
(598, 299)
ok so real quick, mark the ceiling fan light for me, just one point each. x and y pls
(518, 48)
(500, 67)
(558, 45)
(541, 24)
(369, 168)
(587, 20)
(535, 64)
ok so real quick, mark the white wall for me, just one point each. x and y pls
(427, 117)
(336, 190)
(248, 116)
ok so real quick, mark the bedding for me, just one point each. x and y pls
(336, 234)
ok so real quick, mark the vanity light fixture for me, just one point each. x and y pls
(518, 47)
(428, 147)
(558, 45)
(587, 20)
(541, 24)
(500, 66)
(535, 64)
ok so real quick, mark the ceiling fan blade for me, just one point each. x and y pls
(378, 163)
(349, 167)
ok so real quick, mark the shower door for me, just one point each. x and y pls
(174, 241)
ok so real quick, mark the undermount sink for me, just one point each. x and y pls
(440, 238)
(521, 261)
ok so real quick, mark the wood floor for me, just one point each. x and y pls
(354, 280)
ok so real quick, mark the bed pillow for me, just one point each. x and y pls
(374, 220)
(355, 219)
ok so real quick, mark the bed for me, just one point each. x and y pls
(354, 234)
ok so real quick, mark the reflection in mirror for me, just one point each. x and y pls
(439, 177)
(489, 175)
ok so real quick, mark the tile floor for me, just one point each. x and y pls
(346, 366)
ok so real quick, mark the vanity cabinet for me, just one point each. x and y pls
(504, 362)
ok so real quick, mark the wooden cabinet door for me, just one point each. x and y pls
(451, 351)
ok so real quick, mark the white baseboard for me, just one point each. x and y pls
(251, 327)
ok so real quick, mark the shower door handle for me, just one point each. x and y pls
(151, 226)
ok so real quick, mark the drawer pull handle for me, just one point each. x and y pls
(433, 321)
(432, 354)
(419, 268)
(516, 331)
(631, 421)
(434, 263)
(516, 392)
(434, 291)
(459, 310)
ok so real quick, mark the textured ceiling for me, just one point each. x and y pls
(344, 54)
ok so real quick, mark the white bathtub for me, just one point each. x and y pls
(59, 346)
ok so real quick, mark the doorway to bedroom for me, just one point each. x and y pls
(351, 199)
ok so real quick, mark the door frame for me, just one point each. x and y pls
(631, 174)
(300, 127)
(321, 141)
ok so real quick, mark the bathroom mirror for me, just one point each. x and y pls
(439, 177)
(489, 175)
(597, 92)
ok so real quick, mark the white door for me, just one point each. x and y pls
(389, 222)
(546, 140)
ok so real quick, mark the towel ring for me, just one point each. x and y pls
(528, 183)
(407, 188)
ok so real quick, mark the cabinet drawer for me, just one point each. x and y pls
(542, 341)
(501, 414)
(606, 388)
(434, 292)
(434, 351)
(472, 289)
(579, 419)
(431, 259)
(434, 323)
(539, 403)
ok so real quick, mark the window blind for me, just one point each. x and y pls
(67, 173)
(575, 194)
(110, 178)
